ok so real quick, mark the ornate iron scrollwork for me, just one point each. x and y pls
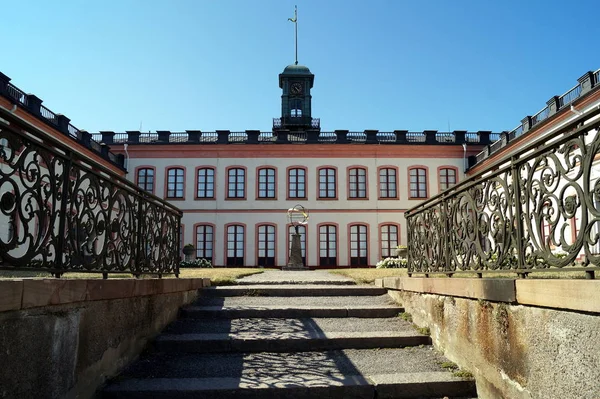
(61, 213)
(536, 211)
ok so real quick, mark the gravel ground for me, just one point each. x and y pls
(295, 277)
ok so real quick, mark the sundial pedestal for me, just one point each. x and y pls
(295, 262)
(297, 216)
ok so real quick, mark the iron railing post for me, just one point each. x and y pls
(514, 170)
(62, 222)
(176, 257)
(409, 264)
(446, 235)
(138, 255)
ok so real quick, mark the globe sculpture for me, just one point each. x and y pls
(297, 216)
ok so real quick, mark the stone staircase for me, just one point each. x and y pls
(273, 340)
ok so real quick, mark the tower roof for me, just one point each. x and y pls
(296, 70)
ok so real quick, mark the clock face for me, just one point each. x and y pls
(296, 88)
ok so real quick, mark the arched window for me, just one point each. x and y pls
(327, 245)
(358, 245)
(266, 245)
(295, 108)
(235, 245)
(327, 183)
(388, 187)
(175, 180)
(389, 240)
(297, 183)
(266, 183)
(236, 183)
(447, 178)
(204, 242)
(205, 183)
(418, 183)
(145, 179)
(357, 183)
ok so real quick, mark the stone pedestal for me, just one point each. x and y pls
(295, 262)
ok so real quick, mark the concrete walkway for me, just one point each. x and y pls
(287, 335)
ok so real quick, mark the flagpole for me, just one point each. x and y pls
(296, 23)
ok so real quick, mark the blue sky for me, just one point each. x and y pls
(381, 64)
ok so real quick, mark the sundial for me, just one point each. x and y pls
(297, 216)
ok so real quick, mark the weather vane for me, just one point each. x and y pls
(295, 21)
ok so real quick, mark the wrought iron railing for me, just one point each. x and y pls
(61, 212)
(537, 211)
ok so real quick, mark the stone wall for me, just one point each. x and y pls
(64, 338)
(514, 350)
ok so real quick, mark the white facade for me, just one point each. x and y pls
(251, 211)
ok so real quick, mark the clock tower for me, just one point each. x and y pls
(296, 82)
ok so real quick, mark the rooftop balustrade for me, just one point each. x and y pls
(57, 121)
(297, 137)
(589, 81)
(538, 210)
(62, 212)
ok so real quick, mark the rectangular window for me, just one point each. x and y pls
(206, 183)
(266, 245)
(145, 179)
(266, 183)
(236, 183)
(235, 245)
(418, 183)
(387, 183)
(327, 245)
(204, 242)
(447, 178)
(358, 246)
(358, 183)
(302, 232)
(327, 185)
(389, 240)
(297, 183)
(175, 183)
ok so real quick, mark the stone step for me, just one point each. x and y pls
(297, 307)
(293, 290)
(365, 373)
(251, 335)
(299, 328)
(264, 301)
(289, 311)
(205, 343)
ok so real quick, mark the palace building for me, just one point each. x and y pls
(234, 188)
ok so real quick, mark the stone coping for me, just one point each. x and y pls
(30, 293)
(572, 294)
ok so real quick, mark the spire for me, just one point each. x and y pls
(295, 21)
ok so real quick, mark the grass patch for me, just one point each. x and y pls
(463, 374)
(405, 316)
(449, 365)
(422, 330)
(218, 276)
(368, 275)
